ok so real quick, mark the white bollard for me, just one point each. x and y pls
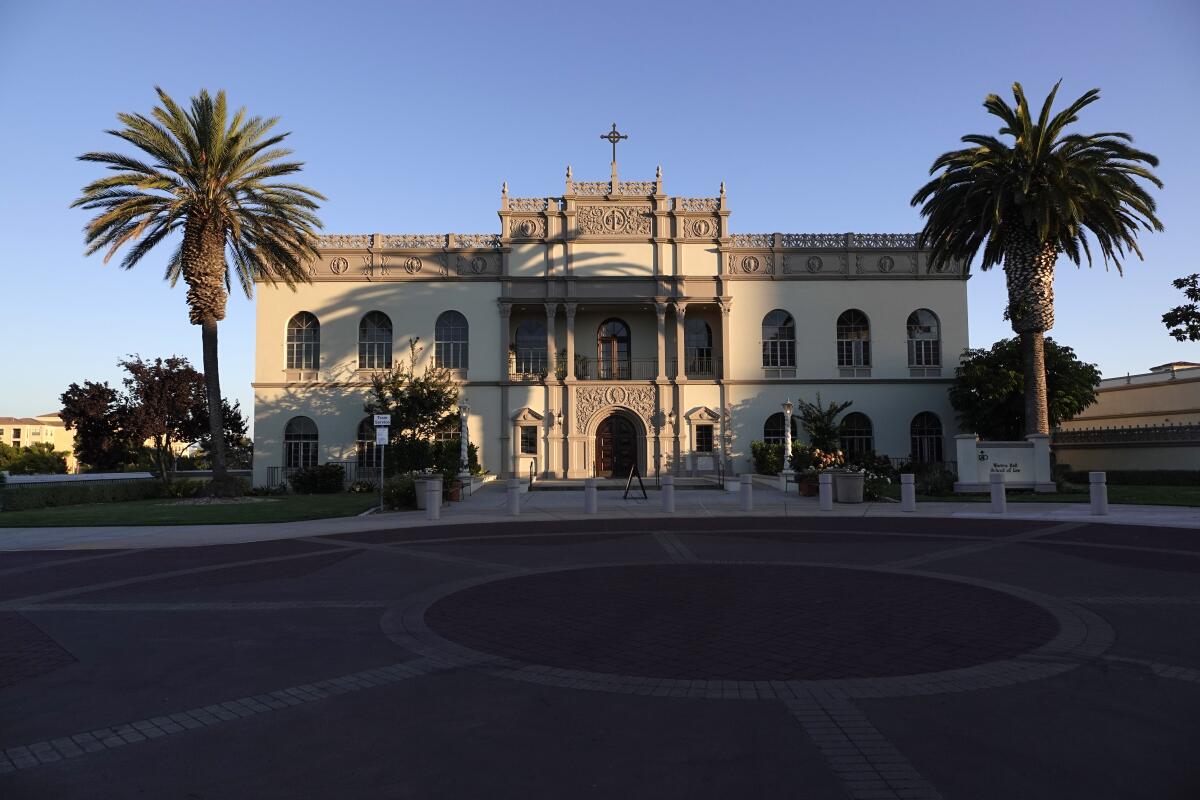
(591, 498)
(1098, 488)
(908, 492)
(668, 494)
(999, 501)
(825, 492)
(514, 497)
(747, 493)
(433, 499)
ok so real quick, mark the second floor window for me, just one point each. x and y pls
(612, 350)
(303, 341)
(530, 347)
(924, 339)
(697, 347)
(853, 339)
(450, 341)
(375, 341)
(778, 340)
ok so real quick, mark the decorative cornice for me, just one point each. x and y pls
(344, 240)
(697, 203)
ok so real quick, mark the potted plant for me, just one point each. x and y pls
(454, 492)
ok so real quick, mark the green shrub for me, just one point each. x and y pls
(400, 491)
(183, 488)
(872, 463)
(1140, 477)
(930, 479)
(321, 479)
(25, 497)
(363, 487)
(266, 491)
(768, 458)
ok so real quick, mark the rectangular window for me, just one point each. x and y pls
(704, 438)
(854, 353)
(16, 433)
(924, 353)
(528, 440)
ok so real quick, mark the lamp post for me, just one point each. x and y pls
(464, 442)
(785, 474)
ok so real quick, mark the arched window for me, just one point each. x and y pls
(368, 454)
(853, 341)
(773, 429)
(697, 346)
(926, 431)
(857, 436)
(375, 341)
(300, 443)
(924, 341)
(303, 341)
(531, 347)
(612, 350)
(450, 340)
(778, 341)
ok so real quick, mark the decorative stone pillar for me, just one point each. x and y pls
(660, 310)
(680, 341)
(569, 308)
(726, 308)
(505, 463)
(505, 355)
(551, 339)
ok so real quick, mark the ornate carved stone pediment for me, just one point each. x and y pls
(589, 400)
(612, 219)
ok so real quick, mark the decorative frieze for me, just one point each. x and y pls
(884, 241)
(812, 241)
(591, 188)
(477, 264)
(590, 400)
(420, 241)
(528, 203)
(477, 240)
(344, 240)
(636, 187)
(701, 227)
(614, 220)
(753, 239)
(697, 203)
(527, 227)
(757, 264)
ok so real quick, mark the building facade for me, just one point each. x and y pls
(46, 428)
(1149, 421)
(614, 326)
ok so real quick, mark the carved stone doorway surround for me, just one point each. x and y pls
(594, 404)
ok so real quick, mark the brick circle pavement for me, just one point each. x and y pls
(1081, 636)
(741, 622)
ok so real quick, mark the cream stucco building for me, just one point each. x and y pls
(611, 326)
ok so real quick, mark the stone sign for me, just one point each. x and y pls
(1024, 465)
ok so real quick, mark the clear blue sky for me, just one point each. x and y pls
(819, 117)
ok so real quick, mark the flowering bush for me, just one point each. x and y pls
(806, 458)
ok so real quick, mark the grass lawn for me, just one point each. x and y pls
(1134, 495)
(286, 508)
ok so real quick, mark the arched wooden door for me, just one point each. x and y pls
(616, 447)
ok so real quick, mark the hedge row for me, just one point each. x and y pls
(1140, 477)
(23, 498)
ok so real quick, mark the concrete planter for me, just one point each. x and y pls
(422, 487)
(848, 487)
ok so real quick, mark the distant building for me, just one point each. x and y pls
(1146, 421)
(25, 431)
(614, 326)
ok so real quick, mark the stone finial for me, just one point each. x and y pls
(722, 190)
(658, 179)
(568, 172)
(504, 189)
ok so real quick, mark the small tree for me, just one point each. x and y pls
(820, 422)
(420, 406)
(105, 438)
(39, 458)
(166, 404)
(239, 449)
(989, 390)
(1183, 322)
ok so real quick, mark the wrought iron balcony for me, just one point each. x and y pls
(696, 367)
(629, 369)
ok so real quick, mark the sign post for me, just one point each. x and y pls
(382, 422)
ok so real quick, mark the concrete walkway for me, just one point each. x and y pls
(489, 505)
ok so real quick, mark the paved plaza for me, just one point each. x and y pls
(705, 654)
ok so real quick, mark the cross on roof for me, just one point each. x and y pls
(613, 137)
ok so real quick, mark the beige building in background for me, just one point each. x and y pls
(49, 428)
(612, 326)
(1139, 422)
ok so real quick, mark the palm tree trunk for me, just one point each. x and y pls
(203, 258)
(1029, 273)
(216, 421)
(1033, 361)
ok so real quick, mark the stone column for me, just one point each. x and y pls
(504, 421)
(551, 340)
(505, 364)
(660, 310)
(569, 308)
(726, 308)
(680, 340)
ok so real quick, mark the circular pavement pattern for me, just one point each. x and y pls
(741, 622)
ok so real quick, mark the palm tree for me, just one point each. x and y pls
(1027, 202)
(214, 180)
